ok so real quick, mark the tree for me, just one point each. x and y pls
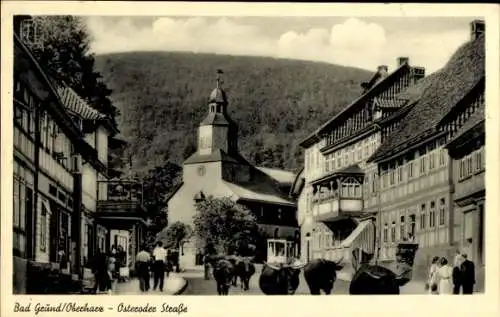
(65, 53)
(174, 234)
(225, 224)
(158, 184)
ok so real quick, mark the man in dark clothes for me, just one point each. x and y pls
(468, 276)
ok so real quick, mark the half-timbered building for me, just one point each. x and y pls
(339, 200)
(432, 183)
(60, 174)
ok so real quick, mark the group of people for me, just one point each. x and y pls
(105, 267)
(158, 262)
(446, 279)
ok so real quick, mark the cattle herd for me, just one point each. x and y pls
(319, 274)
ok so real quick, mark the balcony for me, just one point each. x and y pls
(338, 195)
(120, 203)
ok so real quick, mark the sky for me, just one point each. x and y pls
(350, 41)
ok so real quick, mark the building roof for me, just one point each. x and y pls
(439, 95)
(76, 104)
(216, 156)
(218, 95)
(475, 119)
(281, 176)
(298, 183)
(366, 94)
(215, 118)
(393, 103)
(256, 192)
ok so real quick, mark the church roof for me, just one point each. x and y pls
(216, 156)
(255, 192)
(215, 118)
(281, 176)
(218, 96)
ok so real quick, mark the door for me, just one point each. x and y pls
(468, 238)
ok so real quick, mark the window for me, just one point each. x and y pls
(386, 233)
(391, 178)
(346, 158)
(22, 207)
(359, 151)
(479, 161)
(442, 211)
(332, 162)
(393, 231)
(279, 213)
(432, 160)
(423, 165)
(339, 160)
(43, 228)
(367, 149)
(402, 233)
(432, 215)
(374, 183)
(469, 164)
(400, 174)
(422, 217)
(442, 157)
(327, 164)
(385, 180)
(410, 170)
(411, 233)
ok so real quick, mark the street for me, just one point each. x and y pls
(197, 285)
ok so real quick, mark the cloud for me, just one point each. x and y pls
(354, 42)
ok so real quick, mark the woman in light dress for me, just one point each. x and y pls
(432, 276)
(444, 278)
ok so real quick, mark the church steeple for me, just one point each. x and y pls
(217, 130)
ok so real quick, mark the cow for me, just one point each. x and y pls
(234, 261)
(372, 279)
(280, 279)
(320, 274)
(223, 271)
(244, 269)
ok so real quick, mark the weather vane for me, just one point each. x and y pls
(219, 77)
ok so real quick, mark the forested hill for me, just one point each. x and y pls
(163, 97)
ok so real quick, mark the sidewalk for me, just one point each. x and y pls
(175, 284)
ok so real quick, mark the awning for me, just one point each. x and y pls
(361, 237)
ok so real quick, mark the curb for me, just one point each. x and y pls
(182, 289)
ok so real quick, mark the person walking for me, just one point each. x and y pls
(444, 276)
(457, 274)
(431, 282)
(143, 260)
(100, 270)
(468, 275)
(159, 255)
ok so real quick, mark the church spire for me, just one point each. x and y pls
(219, 78)
(217, 130)
(218, 95)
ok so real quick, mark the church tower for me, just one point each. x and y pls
(217, 130)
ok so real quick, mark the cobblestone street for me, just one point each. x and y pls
(172, 285)
(197, 285)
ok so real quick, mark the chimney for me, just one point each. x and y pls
(476, 29)
(403, 60)
(417, 73)
(382, 70)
